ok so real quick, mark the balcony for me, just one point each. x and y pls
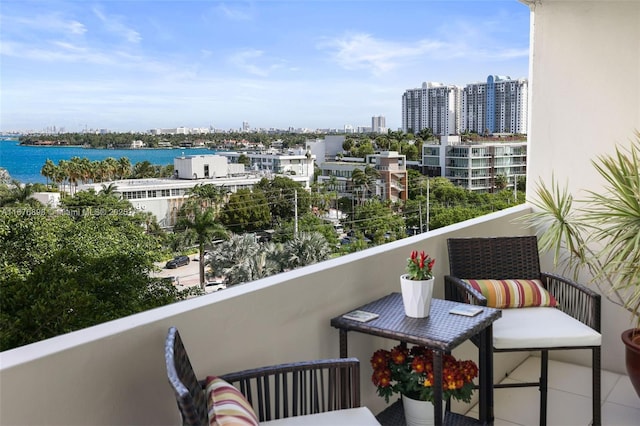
(114, 373)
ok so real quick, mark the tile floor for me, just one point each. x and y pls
(569, 395)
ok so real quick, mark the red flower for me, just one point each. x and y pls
(410, 372)
(420, 265)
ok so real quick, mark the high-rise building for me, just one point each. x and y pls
(435, 106)
(245, 126)
(378, 124)
(497, 106)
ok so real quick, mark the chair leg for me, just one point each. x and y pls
(595, 380)
(544, 374)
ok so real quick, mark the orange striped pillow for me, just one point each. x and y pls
(517, 293)
(227, 406)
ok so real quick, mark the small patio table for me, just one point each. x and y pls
(441, 331)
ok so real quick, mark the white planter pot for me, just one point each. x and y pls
(419, 413)
(416, 296)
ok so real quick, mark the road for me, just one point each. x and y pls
(186, 276)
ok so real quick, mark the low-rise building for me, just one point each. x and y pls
(475, 165)
(164, 197)
(391, 185)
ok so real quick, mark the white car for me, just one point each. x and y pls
(211, 286)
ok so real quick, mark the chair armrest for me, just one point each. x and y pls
(300, 388)
(459, 291)
(574, 299)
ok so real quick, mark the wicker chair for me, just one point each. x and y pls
(523, 329)
(275, 392)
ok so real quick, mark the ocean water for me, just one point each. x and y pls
(25, 162)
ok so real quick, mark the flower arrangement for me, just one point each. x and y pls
(419, 266)
(409, 372)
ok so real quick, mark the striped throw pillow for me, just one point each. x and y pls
(516, 293)
(227, 406)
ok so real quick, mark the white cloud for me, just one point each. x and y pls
(254, 61)
(363, 51)
(234, 13)
(113, 24)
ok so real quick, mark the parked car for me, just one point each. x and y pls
(215, 285)
(177, 262)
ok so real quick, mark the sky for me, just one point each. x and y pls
(137, 65)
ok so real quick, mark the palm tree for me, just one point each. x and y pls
(48, 170)
(63, 172)
(109, 189)
(124, 168)
(365, 179)
(306, 249)
(232, 258)
(204, 225)
(20, 194)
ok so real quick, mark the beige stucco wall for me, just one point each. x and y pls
(584, 99)
(114, 373)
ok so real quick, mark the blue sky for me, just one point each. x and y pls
(137, 65)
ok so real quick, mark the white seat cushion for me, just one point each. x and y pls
(352, 416)
(541, 327)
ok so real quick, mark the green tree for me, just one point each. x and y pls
(48, 170)
(202, 222)
(500, 182)
(305, 249)
(243, 159)
(246, 211)
(61, 275)
(281, 193)
(376, 218)
(232, 259)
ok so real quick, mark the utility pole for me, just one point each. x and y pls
(427, 203)
(295, 213)
(420, 209)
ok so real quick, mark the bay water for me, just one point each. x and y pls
(24, 162)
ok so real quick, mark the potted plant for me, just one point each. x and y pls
(410, 374)
(417, 285)
(601, 236)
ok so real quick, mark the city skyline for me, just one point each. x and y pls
(138, 65)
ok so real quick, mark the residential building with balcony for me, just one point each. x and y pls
(498, 105)
(475, 166)
(298, 165)
(391, 185)
(435, 106)
(378, 124)
(115, 373)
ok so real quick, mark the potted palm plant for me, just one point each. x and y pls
(601, 235)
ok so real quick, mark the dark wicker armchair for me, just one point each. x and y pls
(275, 392)
(573, 324)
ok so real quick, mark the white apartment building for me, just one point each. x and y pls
(164, 197)
(474, 166)
(325, 149)
(296, 165)
(392, 184)
(204, 167)
(435, 106)
(497, 106)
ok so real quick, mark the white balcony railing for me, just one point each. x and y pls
(114, 373)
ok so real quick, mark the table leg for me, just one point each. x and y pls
(343, 343)
(485, 356)
(437, 387)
